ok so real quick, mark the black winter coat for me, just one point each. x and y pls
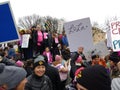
(38, 83)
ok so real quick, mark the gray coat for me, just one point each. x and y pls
(35, 83)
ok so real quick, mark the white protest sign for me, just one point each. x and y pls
(79, 33)
(25, 40)
(101, 48)
(109, 41)
(115, 35)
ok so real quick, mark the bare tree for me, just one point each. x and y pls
(51, 24)
(106, 26)
(47, 22)
(28, 21)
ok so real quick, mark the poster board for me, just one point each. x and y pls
(8, 30)
(115, 35)
(25, 40)
(79, 33)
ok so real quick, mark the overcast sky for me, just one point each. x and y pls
(97, 10)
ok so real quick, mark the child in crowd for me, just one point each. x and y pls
(48, 54)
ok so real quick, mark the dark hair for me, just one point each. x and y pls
(2, 53)
(33, 27)
(95, 56)
(10, 45)
(28, 63)
(45, 58)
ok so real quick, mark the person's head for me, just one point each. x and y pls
(47, 49)
(93, 78)
(95, 59)
(29, 63)
(38, 27)
(2, 53)
(58, 58)
(59, 46)
(33, 28)
(10, 45)
(80, 49)
(12, 77)
(28, 32)
(19, 63)
(39, 66)
(22, 32)
(114, 58)
(118, 65)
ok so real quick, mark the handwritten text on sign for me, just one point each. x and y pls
(76, 28)
(115, 35)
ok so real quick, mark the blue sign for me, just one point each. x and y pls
(8, 31)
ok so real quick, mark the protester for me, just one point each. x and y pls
(74, 57)
(66, 53)
(96, 59)
(40, 39)
(93, 78)
(29, 67)
(48, 54)
(114, 59)
(115, 70)
(64, 39)
(63, 70)
(12, 77)
(53, 74)
(34, 40)
(38, 80)
(56, 47)
(28, 51)
(115, 85)
(4, 59)
(11, 51)
(19, 63)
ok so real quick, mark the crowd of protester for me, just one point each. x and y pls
(48, 64)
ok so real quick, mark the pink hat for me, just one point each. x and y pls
(58, 57)
(79, 59)
(19, 63)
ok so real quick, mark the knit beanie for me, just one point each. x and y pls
(19, 63)
(94, 78)
(114, 57)
(11, 75)
(39, 61)
(58, 57)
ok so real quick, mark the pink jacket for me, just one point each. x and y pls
(49, 56)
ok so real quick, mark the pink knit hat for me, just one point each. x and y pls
(58, 57)
(19, 63)
(79, 59)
